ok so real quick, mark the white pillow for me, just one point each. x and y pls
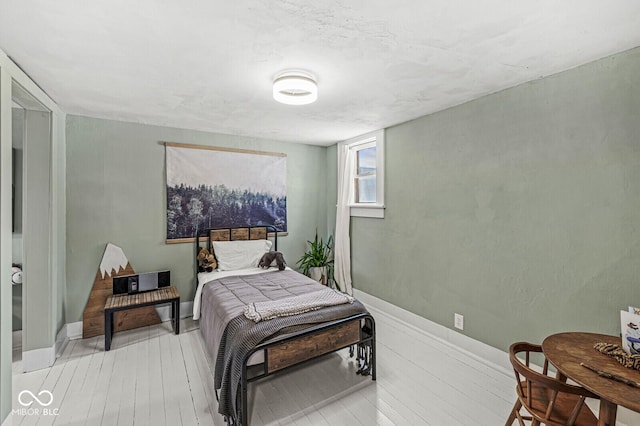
(234, 255)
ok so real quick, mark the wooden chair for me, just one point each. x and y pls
(547, 399)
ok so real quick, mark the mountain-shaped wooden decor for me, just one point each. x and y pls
(114, 264)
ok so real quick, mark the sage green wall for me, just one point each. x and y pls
(116, 193)
(519, 210)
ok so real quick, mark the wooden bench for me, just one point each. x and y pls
(123, 302)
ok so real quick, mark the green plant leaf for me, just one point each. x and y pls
(318, 254)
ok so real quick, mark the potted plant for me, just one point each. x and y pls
(316, 262)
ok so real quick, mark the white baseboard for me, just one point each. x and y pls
(186, 310)
(74, 330)
(488, 355)
(62, 339)
(69, 331)
(492, 357)
(42, 358)
(16, 340)
(38, 359)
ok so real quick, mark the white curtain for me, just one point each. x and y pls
(342, 257)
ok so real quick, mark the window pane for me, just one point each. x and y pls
(366, 189)
(367, 161)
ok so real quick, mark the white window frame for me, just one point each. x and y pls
(374, 210)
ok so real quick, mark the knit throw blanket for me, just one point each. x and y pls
(262, 311)
(242, 335)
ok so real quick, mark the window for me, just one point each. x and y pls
(365, 175)
(367, 196)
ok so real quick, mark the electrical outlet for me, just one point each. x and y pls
(458, 321)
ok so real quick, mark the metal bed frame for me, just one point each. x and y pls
(322, 337)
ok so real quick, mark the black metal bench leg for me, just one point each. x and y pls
(175, 315)
(108, 329)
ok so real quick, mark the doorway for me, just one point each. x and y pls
(31, 253)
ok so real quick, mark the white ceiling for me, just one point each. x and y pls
(209, 65)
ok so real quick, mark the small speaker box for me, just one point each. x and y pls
(139, 283)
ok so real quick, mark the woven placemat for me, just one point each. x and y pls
(615, 351)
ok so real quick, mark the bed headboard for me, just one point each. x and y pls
(235, 234)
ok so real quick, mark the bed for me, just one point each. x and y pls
(234, 304)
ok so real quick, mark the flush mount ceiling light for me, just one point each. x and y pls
(295, 88)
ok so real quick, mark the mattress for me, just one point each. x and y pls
(222, 296)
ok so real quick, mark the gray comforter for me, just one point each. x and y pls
(225, 298)
(229, 335)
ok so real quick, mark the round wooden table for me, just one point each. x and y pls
(567, 350)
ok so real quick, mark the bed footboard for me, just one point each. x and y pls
(293, 352)
(357, 332)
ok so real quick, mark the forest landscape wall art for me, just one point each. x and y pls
(210, 187)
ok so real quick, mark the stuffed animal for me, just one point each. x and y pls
(206, 261)
(268, 258)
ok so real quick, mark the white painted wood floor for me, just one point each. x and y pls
(153, 377)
